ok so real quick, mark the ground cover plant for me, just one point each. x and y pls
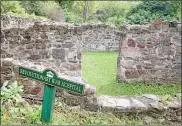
(100, 69)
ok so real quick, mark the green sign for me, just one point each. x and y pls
(50, 77)
(51, 80)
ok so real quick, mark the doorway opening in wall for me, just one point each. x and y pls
(100, 69)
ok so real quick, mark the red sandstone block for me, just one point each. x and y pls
(131, 74)
(131, 43)
(162, 35)
(149, 45)
(35, 90)
(140, 45)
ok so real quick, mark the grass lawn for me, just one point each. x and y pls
(100, 69)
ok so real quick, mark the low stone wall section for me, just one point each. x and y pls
(34, 89)
(150, 53)
(146, 107)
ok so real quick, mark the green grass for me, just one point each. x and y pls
(64, 116)
(100, 69)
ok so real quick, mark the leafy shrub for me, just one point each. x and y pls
(10, 107)
(49, 9)
(32, 115)
(15, 8)
(72, 18)
(11, 93)
(10, 97)
(12, 6)
(33, 7)
(148, 11)
(53, 11)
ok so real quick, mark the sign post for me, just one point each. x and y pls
(49, 77)
(48, 103)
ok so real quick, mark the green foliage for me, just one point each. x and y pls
(49, 9)
(23, 115)
(11, 107)
(11, 93)
(72, 18)
(15, 8)
(109, 12)
(12, 6)
(32, 115)
(59, 103)
(113, 12)
(34, 7)
(148, 11)
(66, 5)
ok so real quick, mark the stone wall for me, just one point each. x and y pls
(93, 37)
(58, 43)
(8, 21)
(100, 37)
(146, 52)
(34, 89)
(44, 42)
(150, 53)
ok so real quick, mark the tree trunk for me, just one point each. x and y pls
(85, 11)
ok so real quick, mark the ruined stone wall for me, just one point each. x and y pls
(100, 37)
(145, 53)
(44, 42)
(150, 53)
(8, 21)
(94, 37)
(58, 43)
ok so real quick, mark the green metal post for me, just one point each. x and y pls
(48, 103)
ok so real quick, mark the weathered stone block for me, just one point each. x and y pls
(131, 52)
(34, 57)
(131, 43)
(57, 45)
(26, 41)
(149, 45)
(43, 36)
(132, 73)
(128, 64)
(58, 53)
(147, 64)
(44, 54)
(67, 45)
(141, 45)
(39, 41)
(30, 46)
(40, 46)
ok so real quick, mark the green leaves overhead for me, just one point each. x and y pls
(109, 12)
(148, 11)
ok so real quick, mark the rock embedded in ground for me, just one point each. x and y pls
(151, 96)
(123, 103)
(174, 104)
(138, 104)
